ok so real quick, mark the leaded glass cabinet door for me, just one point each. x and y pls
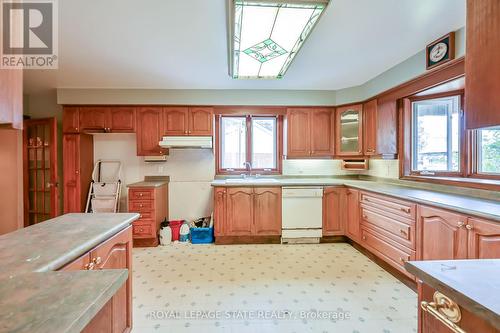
(41, 197)
(349, 133)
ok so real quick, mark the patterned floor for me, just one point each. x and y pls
(267, 288)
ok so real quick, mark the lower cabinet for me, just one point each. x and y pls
(115, 253)
(483, 239)
(247, 211)
(352, 229)
(334, 203)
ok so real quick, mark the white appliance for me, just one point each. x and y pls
(302, 214)
(204, 142)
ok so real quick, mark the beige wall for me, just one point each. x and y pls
(11, 180)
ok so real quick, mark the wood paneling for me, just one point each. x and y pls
(267, 211)
(483, 239)
(200, 121)
(11, 98)
(149, 131)
(175, 120)
(441, 235)
(334, 206)
(240, 211)
(482, 64)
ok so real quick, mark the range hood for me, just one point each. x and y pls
(200, 142)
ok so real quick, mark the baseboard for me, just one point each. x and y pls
(227, 240)
(334, 239)
(145, 242)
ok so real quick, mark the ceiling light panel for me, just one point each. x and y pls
(265, 36)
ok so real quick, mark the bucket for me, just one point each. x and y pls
(176, 227)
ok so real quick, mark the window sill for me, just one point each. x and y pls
(478, 183)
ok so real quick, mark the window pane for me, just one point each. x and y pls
(489, 150)
(436, 135)
(233, 142)
(264, 143)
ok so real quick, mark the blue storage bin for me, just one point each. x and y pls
(202, 235)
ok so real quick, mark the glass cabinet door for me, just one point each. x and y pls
(349, 130)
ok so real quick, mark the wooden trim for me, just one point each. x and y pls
(245, 110)
(229, 240)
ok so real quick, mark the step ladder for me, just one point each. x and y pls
(105, 187)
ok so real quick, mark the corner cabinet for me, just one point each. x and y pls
(334, 203)
(310, 132)
(149, 131)
(352, 229)
(349, 130)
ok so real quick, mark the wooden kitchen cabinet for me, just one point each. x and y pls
(310, 132)
(200, 121)
(349, 130)
(99, 119)
(380, 129)
(441, 234)
(334, 210)
(11, 98)
(175, 120)
(78, 162)
(182, 121)
(482, 64)
(483, 239)
(247, 211)
(121, 119)
(370, 127)
(93, 118)
(352, 229)
(149, 131)
(71, 120)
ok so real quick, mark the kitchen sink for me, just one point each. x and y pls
(252, 180)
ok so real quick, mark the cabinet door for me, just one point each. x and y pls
(352, 214)
(200, 121)
(484, 239)
(116, 253)
(122, 119)
(70, 123)
(370, 127)
(441, 235)
(93, 119)
(298, 132)
(71, 174)
(175, 121)
(149, 131)
(322, 140)
(349, 130)
(220, 211)
(333, 208)
(267, 205)
(240, 211)
(78, 264)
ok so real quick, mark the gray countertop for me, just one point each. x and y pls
(151, 181)
(34, 298)
(473, 284)
(488, 209)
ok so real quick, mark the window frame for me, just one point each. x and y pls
(253, 171)
(474, 161)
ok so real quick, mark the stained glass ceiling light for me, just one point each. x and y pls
(265, 36)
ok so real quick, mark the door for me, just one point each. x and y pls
(149, 131)
(370, 127)
(267, 213)
(333, 208)
(441, 235)
(71, 120)
(322, 141)
(484, 239)
(116, 253)
(200, 121)
(41, 192)
(240, 211)
(298, 133)
(121, 119)
(220, 211)
(352, 214)
(175, 121)
(93, 118)
(349, 130)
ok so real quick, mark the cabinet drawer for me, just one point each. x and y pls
(398, 207)
(146, 215)
(140, 194)
(144, 229)
(386, 249)
(141, 205)
(398, 229)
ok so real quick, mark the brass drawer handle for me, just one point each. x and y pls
(403, 232)
(97, 260)
(140, 194)
(406, 210)
(89, 267)
(444, 310)
(469, 227)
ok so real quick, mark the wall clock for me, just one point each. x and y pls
(440, 51)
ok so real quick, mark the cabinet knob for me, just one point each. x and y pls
(140, 194)
(469, 227)
(141, 229)
(140, 216)
(403, 260)
(364, 237)
(97, 260)
(77, 172)
(460, 224)
(403, 232)
(185, 132)
(90, 266)
(140, 205)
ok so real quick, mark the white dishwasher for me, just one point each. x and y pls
(302, 214)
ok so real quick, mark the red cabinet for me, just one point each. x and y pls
(188, 121)
(99, 119)
(121, 119)
(149, 131)
(175, 120)
(71, 120)
(334, 205)
(93, 119)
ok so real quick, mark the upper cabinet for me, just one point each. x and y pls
(11, 98)
(349, 130)
(380, 129)
(188, 121)
(370, 128)
(122, 119)
(149, 131)
(99, 119)
(310, 132)
(482, 64)
(71, 122)
(93, 119)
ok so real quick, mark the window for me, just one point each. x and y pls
(436, 138)
(249, 143)
(488, 151)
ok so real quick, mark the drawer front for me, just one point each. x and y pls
(141, 205)
(146, 215)
(386, 249)
(140, 194)
(398, 207)
(143, 229)
(401, 232)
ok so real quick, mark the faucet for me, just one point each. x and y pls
(248, 166)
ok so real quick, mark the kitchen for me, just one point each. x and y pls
(341, 191)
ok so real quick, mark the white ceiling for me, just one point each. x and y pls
(181, 44)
